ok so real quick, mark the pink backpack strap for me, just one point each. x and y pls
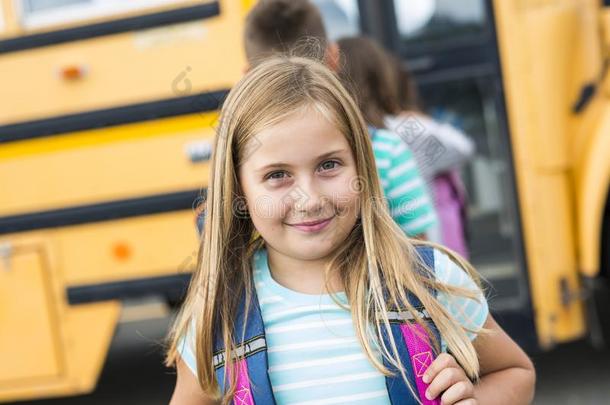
(243, 392)
(422, 356)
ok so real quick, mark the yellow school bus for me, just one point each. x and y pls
(107, 109)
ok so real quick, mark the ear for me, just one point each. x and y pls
(331, 56)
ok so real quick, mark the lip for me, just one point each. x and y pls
(313, 226)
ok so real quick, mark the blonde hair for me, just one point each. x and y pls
(376, 253)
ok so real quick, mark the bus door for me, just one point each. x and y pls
(450, 49)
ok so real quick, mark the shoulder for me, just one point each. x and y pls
(470, 312)
(449, 272)
(186, 348)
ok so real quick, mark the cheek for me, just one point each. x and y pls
(265, 207)
(345, 193)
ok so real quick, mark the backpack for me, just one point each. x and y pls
(416, 354)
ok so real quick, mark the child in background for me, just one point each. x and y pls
(388, 99)
(324, 299)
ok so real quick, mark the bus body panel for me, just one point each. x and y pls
(536, 83)
(108, 164)
(48, 348)
(592, 176)
(130, 248)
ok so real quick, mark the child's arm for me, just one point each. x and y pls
(507, 374)
(188, 391)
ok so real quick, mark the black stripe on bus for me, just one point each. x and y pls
(202, 102)
(101, 212)
(180, 15)
(172, 287)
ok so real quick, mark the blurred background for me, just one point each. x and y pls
(107, 114)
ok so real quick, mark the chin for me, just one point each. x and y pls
(313, 250)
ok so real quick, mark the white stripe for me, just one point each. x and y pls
(346, 399)
(307, 325)
(386, 147)
(404, 188)
(410, 206)
(326, 381)
(270, 300)
(419, 222)
(260, 284)
(314, 343)
(306, 308)
(390, 136)
(383, 163)
(402, 169)
(319, 362)
(399, 149)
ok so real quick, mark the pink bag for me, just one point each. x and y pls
(450, 202)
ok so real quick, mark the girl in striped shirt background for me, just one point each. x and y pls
(306, 291)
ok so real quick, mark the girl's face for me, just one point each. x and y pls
(300, 184)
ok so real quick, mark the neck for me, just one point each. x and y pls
(303, 276)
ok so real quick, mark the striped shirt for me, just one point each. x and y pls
(404, 188)
(313, 353)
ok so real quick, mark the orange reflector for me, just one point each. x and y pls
(122, 251)
(72, 72)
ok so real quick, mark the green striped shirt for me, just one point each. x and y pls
(404, 188)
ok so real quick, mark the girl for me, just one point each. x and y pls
(388, 100)
(306, 290)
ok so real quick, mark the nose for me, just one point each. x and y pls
(306, 199)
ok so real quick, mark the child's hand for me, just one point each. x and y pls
(446, 377)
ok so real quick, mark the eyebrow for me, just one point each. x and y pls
(280, 165)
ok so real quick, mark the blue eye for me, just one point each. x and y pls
(275, 175)
(329, 165)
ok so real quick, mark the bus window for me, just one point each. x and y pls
(43, 13)
(469, 104)
(432, 20)
(341, 17)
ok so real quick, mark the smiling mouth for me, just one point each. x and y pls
(313, 226)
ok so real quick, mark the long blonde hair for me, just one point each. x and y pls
(375, 250)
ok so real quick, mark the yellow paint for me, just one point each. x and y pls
(202, 122)
(549, 51)
(120, 70)
(11, 25)
(160, 245)
(592, 180)
(30, 346)
(107, 165)
(48, 348)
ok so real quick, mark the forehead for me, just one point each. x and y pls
(299, 138)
